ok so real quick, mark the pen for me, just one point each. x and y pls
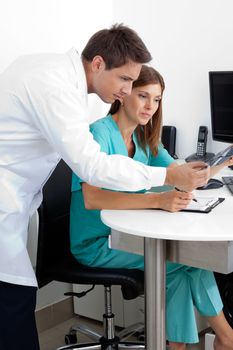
(193, 199)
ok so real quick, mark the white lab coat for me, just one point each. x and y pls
(43, 106)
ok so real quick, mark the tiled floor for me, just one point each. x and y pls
(54, 337)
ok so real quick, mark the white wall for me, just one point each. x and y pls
(187, 38)
(31, 26)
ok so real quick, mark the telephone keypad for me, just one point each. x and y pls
(200, 149)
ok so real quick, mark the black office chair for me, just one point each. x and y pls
(55, 262)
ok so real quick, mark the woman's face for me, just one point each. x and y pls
(140, 106)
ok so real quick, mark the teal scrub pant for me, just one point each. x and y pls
(186, 287)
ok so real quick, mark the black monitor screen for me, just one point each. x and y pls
(221, 103)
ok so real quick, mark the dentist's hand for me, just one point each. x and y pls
(188, 176)
(216, 168)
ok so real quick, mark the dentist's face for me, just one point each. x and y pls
(114, 84)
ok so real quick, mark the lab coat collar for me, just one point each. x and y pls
(79, 69)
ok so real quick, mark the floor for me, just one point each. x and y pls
(54, 337)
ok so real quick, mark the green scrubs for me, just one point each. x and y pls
(185, 286)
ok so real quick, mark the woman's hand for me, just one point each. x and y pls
(173, 200)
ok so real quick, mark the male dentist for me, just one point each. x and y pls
(43, 117)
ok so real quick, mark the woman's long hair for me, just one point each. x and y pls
(148, 134)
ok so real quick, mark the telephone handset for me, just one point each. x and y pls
(202, 141)
(201, 147)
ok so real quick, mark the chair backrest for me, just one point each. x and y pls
(54, 212)
(54, 258)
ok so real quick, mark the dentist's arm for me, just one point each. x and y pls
(216, 168)
(60, 114)
(187, 176)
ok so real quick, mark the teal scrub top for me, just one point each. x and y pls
(87, 231)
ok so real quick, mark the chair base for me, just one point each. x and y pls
(113, 344)
(103, 343)
(110, 340)
(122, 335)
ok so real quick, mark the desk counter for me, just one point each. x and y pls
(200, 245)
(201, 240)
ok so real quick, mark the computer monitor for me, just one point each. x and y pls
(221, 105)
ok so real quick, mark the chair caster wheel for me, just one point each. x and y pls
(71, 338)
(141, 336)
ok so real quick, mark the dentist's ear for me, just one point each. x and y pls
(98, 64)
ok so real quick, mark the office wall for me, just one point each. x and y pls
(187, 39)
(31, 26)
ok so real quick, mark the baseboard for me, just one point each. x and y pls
(209, 341)
(52, 315)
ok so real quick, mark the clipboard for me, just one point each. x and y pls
(203, 205)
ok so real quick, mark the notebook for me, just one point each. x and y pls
(203, 204)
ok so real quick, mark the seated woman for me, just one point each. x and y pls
(133, 128)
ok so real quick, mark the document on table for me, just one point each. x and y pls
(203, 204)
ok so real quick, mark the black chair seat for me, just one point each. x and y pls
(131, 281)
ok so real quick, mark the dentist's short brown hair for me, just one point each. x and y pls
(117, 46)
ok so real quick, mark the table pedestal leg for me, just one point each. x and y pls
(155, 293)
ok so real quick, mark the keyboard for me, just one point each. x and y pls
(228, 181)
